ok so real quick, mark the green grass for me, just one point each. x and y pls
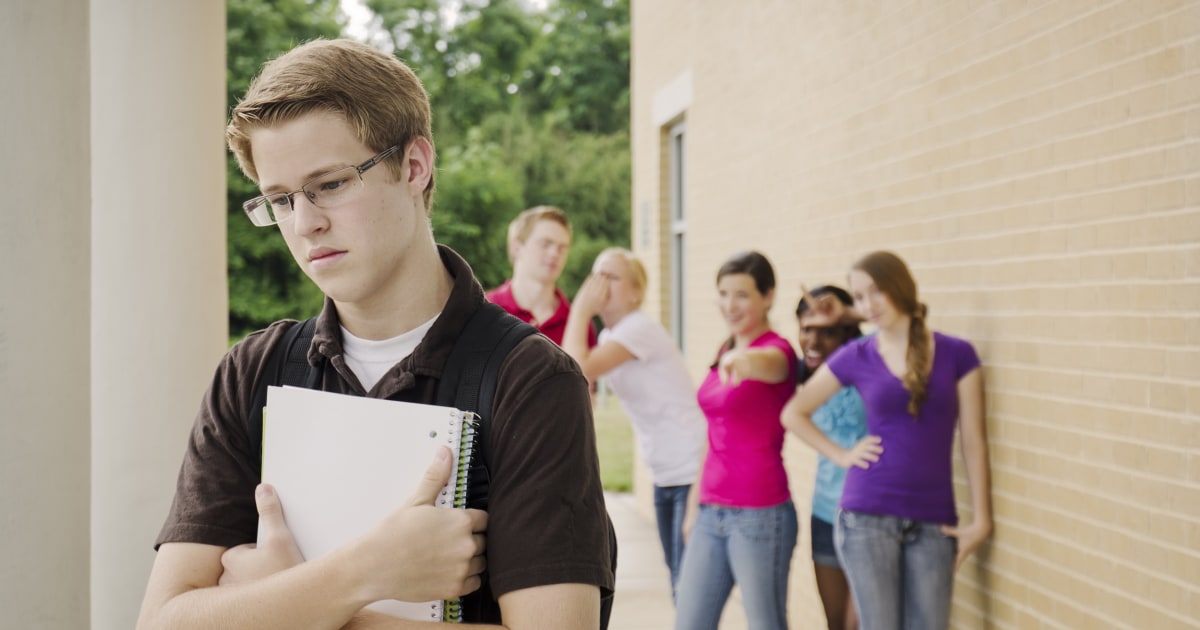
(614, 440)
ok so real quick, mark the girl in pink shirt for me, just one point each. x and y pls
(744, 529)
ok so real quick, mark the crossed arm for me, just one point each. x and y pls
(184, 594)
(418, 553)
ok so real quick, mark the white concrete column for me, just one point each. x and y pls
(159, 305)
(44, 331)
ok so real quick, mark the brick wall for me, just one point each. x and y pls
(1037, 163)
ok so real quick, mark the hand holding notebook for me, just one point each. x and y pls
(343, 468)
(421, 552)
(448, 563)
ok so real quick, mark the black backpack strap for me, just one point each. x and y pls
(469, 381)
(286, 365)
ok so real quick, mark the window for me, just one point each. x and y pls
(678, 231)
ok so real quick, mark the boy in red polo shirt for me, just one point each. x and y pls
(538, 242)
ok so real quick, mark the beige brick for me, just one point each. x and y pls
(1167, 331)
(1155, 66)
(1071, 615)
(1193, 533)
(1184, 500)
(1178, 162)
(1184, 229)
(1184, 364)
(1166, 264)
(1153, 298)
(1185, 567)
(1161, 229)
(1166, 429)
(1026, 619)
(1168, 397)
(1039, 600)
(1115, 390)
(1193, 262)
(1091, 267)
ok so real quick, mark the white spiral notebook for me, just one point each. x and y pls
(342, 463)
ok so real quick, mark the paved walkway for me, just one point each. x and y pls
(643, 597)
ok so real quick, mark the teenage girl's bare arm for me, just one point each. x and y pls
(604, 358)
(797, 418)
(768, 364)
(973, 429)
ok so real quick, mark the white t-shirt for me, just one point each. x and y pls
(370, 360)
(658, 395)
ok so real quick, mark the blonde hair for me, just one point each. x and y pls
(381, 99)
(893, 279)
(637, 271)
(522, 226)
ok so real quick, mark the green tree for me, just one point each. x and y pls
(264, 282)
(478, 193)
(579, 69)
(529, 108)
(585, 174)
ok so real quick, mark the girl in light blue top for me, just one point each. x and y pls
(843, 419)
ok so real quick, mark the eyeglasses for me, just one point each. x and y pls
(326, 191)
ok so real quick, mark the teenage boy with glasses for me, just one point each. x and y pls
(337, 136)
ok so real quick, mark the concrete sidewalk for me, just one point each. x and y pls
(643, 594)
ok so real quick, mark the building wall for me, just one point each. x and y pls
(1037, 163)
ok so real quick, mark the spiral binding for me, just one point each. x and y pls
(468, 442)
(452, 610)
(466, 451)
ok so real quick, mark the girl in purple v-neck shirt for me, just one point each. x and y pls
(915, 479)
(897, 533)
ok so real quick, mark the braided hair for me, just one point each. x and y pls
(894, 280)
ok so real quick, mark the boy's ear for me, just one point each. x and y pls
(420, 163)
(514, 248)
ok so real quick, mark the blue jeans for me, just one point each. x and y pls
(901, 571)
(751, 547)
(670, 506)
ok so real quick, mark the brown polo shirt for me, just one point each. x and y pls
(546, 514)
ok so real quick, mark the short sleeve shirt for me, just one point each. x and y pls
(547, 522)
(843, 419)
(744, 466)
(554, 327)
(658, 396)
(914, 476)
